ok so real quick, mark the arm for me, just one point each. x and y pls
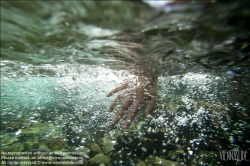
(136, 91)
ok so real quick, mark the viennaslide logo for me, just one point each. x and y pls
(233, 155)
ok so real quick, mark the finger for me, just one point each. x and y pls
(116, 101)
(132, 114)
(117, 89)
(151, 106)
(121, 112)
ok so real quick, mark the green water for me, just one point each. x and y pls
(59, 59)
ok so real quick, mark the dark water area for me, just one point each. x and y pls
(183, 71)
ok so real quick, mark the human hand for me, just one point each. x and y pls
(142, 89)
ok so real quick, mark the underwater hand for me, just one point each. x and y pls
(135, 92)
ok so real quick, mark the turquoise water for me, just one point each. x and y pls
(60, 59)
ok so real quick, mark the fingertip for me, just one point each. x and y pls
(127, 123)
(109, 94)
(111, 108)
(113, 123)
(125, 126)
(149, 112)
(151, 106)
(116, 119)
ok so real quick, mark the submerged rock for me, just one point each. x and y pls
(141, 164)
(84, 151)
(39, 128)
(17, 147)
(58, 143)
(31, 139)
(8, 139)
(14, 124)
(107, 145)
(174, 154)
(42, 147)
(96, 149)
(141, 126)
(99, 159)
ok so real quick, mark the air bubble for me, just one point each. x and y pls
(144, 149)
(230, 74)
